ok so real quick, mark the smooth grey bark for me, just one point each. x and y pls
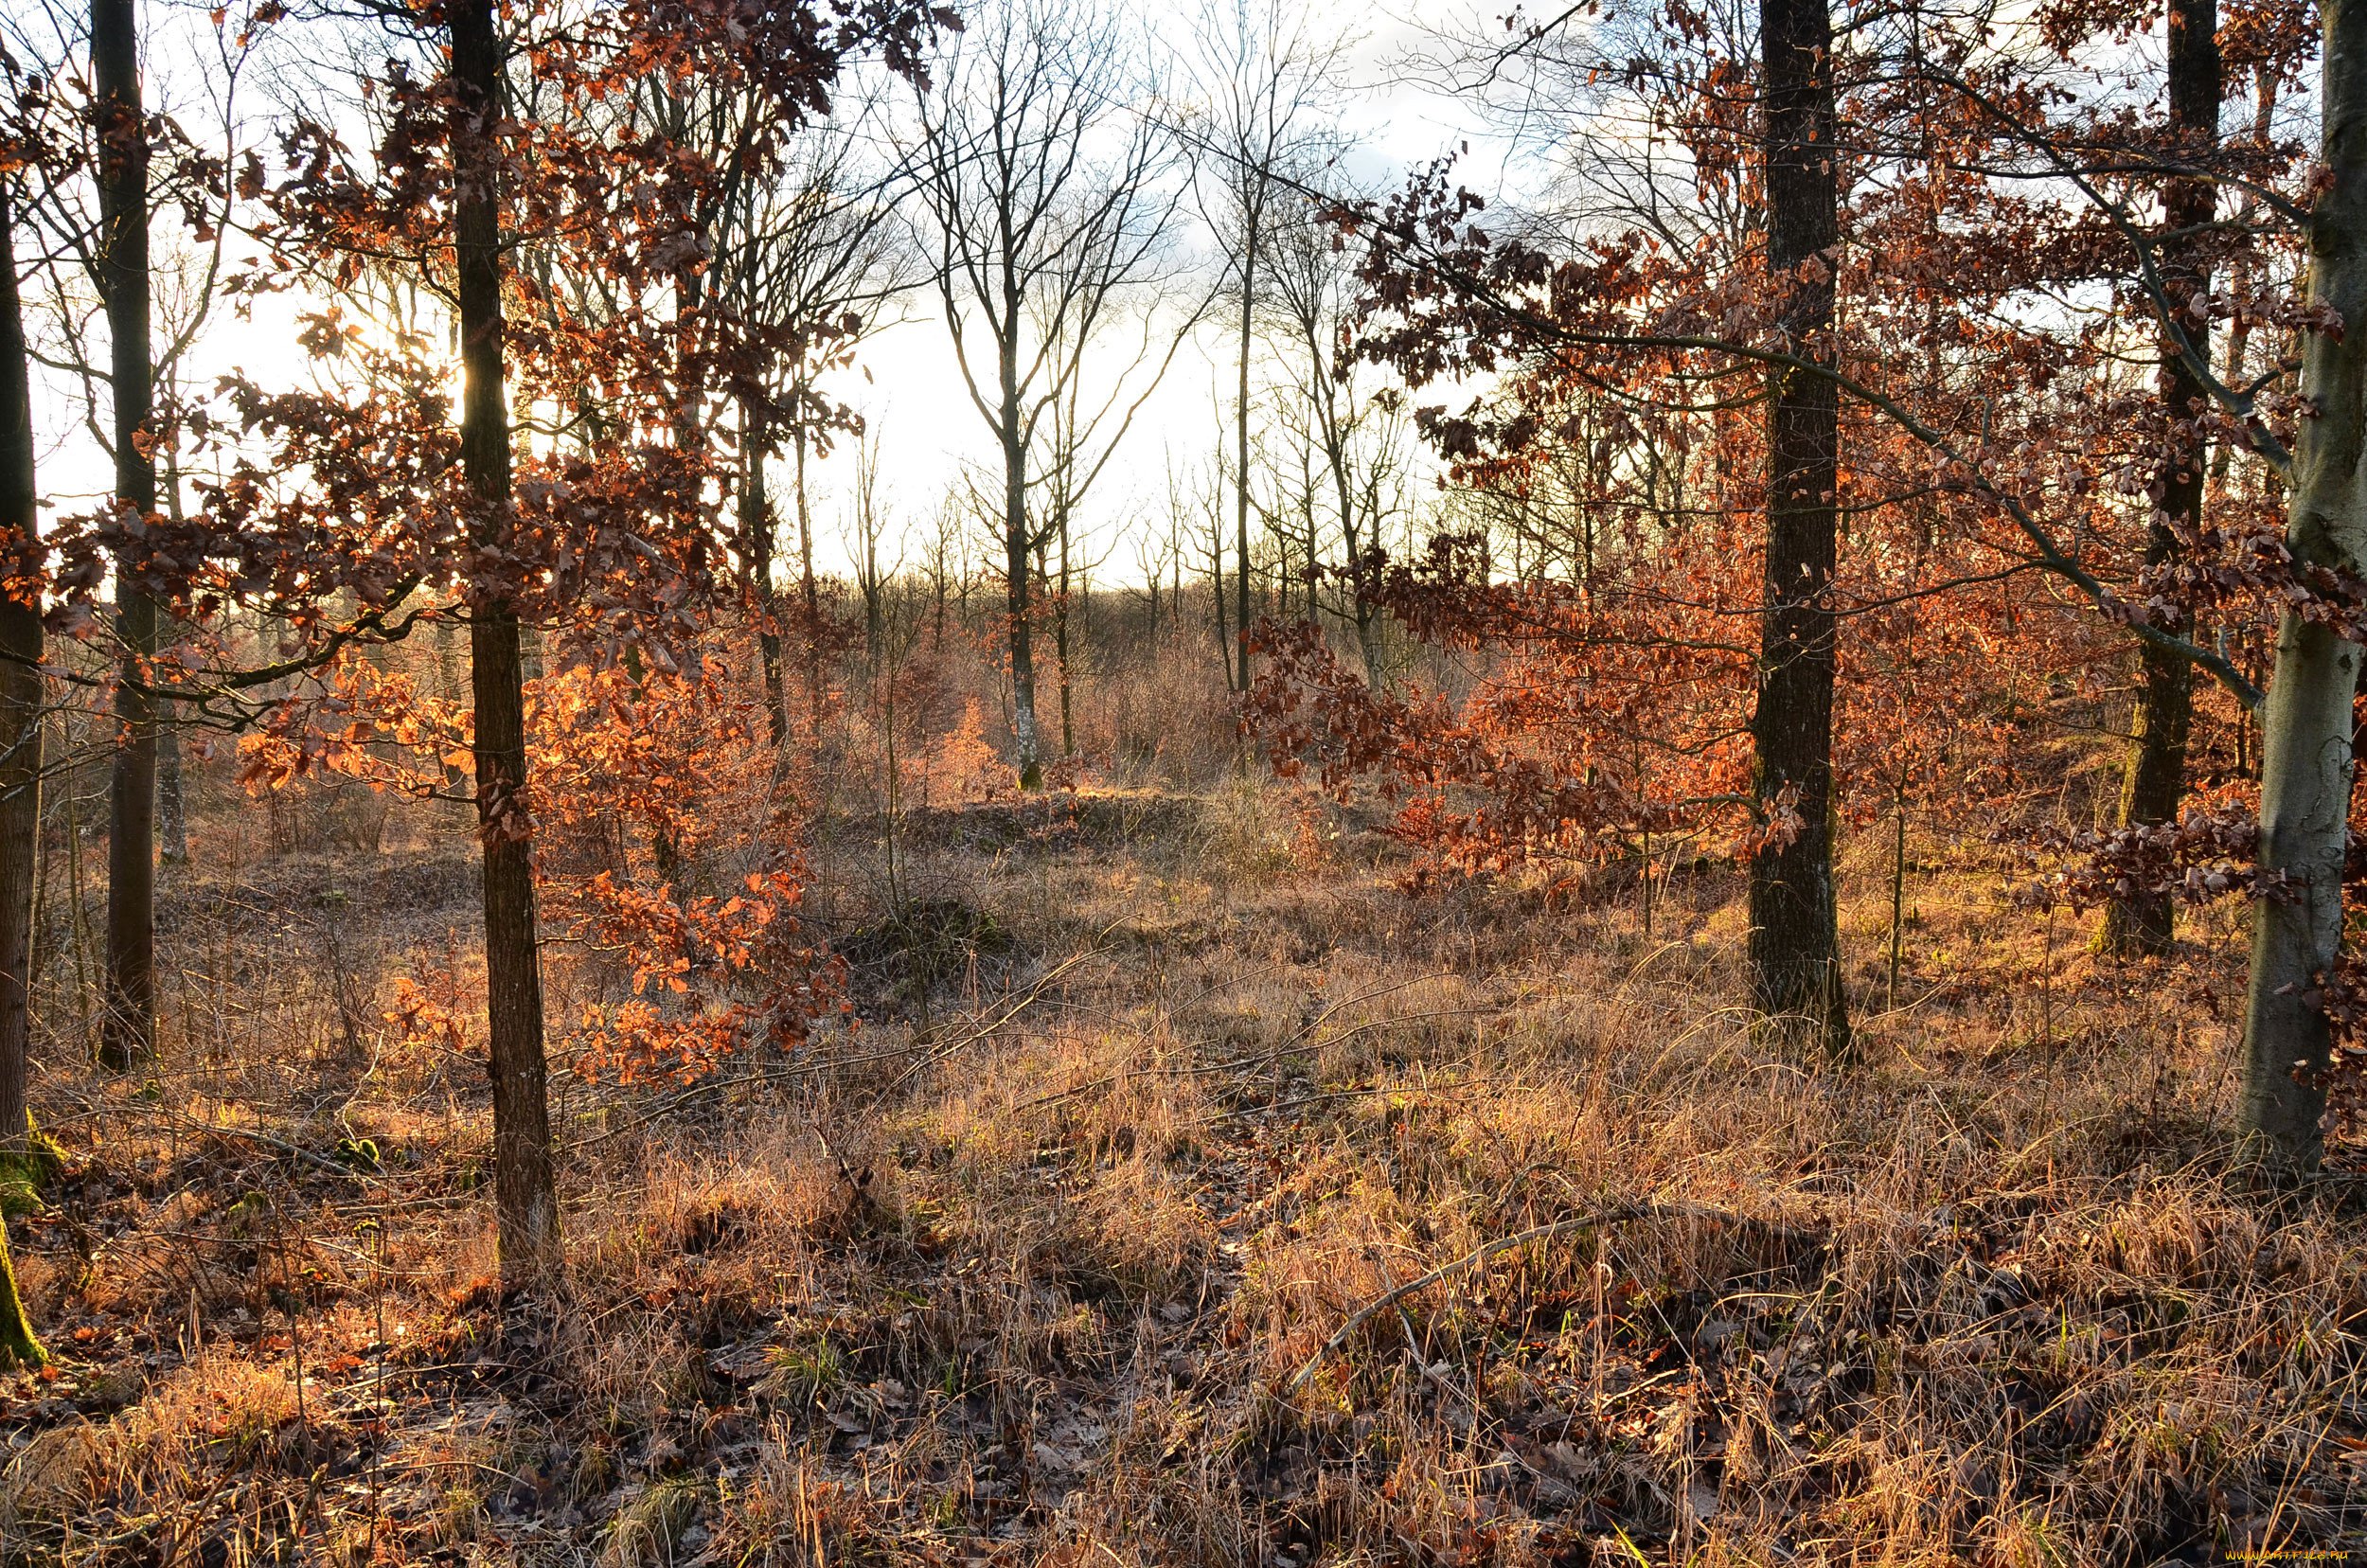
(2305, 739)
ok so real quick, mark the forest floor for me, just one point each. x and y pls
(1091, 1244)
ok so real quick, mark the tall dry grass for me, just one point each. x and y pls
(1040, 1260)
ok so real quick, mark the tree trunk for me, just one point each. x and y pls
(172, 799)
(1015, 569)
(126, 1030)
(20, 711)
(172, 803)
(1216, 583)
(1795, 964)
(2305, 739)
(1059, 637)
(524, 1200)
(756, 545)
(1250, 217)
(2142, 923)
(813, 590)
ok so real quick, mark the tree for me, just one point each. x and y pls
(1263, 77)
(1357, 429)
(525, 1199)
(1046, 203)
(20, 686)
(128, 1025)
(1988, 437)
(2307, 734)
(2156, 784)
(809, 251)
(20, 739)
(494, 140)
(1795, 945)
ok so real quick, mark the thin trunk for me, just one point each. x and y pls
(1240, 420)
(20, 713)
(1216, 583)
(1336, 457)
(172, 808)
(128, 1025)
(812, 591)
(173, 805)
(1059, 638)
(755, 543)
(2265, 93)
(1795, 962)
(1898, 892)
(1015, 570)
(2142, 923)
(2305, 739)
(525, 1198)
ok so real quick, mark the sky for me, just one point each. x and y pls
(915, 403)
(906, 384)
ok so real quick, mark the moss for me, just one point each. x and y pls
(26, 1172)
(18, 1345)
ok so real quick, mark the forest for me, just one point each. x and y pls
(1253, 784)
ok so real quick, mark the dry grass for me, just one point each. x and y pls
(1038, 1292)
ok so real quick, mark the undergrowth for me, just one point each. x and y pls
(1041, 1259)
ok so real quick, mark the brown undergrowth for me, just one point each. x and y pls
(1040, 1263)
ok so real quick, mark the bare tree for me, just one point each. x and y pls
(815, 251)
(20, 707)
(1264, 79)
(1046, 203)
(869, 520)
(1356, 430)
(128, 1027)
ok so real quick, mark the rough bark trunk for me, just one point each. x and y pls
(525, 1202)
(2156, 783)
(1794, 947)
(127, 1029)
(2305, 739)
(20, 707)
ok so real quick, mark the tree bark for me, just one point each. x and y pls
(755, 543)
(127, 1029)
(813, 590)
(20, 705)
(1061, 646)
(2305, 739)
(2143, 924)
(525, 1202)
(1794, 947)
(1252, 216)
(1016, 568)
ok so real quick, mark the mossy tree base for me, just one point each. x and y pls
(18, 1345)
